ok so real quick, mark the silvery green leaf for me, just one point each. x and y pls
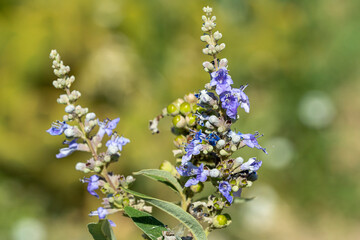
(177, 212)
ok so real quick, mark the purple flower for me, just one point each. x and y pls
(230, 102)
(187, 169)
(225, 190)
(116, 143)
(201, 176)
(193, 148)
(221, 80)
(244, 99)
(107, 126)
(93, 184)
(252, 165)
(57, 128)
(64, 152)
(102, 213)
(250, 141)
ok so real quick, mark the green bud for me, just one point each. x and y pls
(221, 221)
(167, 166)
(233, 148)
(235, 188)
(185, 108)
(196, 108)
(172, 109)
(107, 158)
(126, 202)
(217, 206)
(179, 141)
(191, 119)
(224, 153)
(179, 121)
(197, 188)
(97, 169)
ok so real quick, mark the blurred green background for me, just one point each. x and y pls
(132, 58)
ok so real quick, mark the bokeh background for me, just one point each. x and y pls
(132, 58)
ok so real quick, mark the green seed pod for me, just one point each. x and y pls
(185, 108)
(197, 188)
(190, 119)
(221, 221)
(179, 121)
(172, 109)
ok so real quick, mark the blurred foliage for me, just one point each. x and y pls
(132, 58)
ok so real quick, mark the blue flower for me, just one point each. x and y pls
(93, 184)
(102, 213)
(201, 176)
(199, 136)
(230, 102)
(193, 148)
(212, 138)
(116, 143)
(187, 169)
(250, 141)
(221, 80)
(64, 152)
(251, 165)
(225, 190)
(107, 126)
(57, 128)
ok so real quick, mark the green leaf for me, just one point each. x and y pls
(148, 224)
(101, 230)
(177, 212)
(243, 200)
(162, 176)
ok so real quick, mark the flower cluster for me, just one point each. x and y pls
(204, 139)
(85, 132)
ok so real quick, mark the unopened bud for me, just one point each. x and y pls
(220, 144)
(214, 173)
(69, 132)
(69, 108)
(179, 121)
(90, 116)
(197, 188)
(185, 108)
(172, 109)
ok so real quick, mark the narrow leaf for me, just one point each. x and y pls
(152, 227)
(101, 230)
(243, 200)
(162, 176)
(177, 212)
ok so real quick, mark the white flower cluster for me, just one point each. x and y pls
(209, 37)
(61, 71)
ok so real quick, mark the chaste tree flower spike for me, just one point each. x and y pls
(204, 144)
